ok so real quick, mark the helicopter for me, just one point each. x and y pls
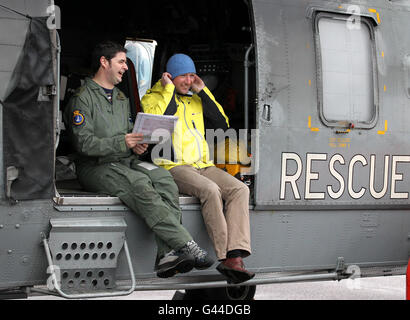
(318, 96)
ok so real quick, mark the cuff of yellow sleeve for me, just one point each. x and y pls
(170, 87)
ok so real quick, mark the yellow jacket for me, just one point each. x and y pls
(196, 113)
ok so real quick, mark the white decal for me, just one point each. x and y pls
(373, 192)
(361, 177)
(290, 179)
(354, 194)
(337, 175)
(397, 177)
(313, 176)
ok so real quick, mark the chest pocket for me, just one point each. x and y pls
(194, 115)
(122, 116)
(112, 119)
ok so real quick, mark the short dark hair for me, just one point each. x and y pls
(107, 49)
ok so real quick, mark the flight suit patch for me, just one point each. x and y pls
(78, 118)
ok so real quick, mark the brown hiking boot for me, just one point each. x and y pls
(234, 270)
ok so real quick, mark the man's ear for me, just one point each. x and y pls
(104, 62)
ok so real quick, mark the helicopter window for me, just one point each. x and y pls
(346, 70)
(407, 73)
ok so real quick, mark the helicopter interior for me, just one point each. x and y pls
(216, 34)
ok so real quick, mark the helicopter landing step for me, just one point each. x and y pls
(82, 254)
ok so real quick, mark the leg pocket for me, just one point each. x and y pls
(162, 181)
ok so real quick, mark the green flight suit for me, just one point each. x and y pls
(105, 164)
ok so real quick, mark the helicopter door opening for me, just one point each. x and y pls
(213, 34)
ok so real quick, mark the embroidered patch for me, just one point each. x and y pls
(78, 118)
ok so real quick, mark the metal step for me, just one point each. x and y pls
(82, 254)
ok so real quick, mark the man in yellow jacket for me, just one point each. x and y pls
(182, 93)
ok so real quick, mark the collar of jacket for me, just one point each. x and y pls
(92, 84)
(184, 95)
(95, 86)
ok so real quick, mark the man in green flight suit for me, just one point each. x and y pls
(99, 121)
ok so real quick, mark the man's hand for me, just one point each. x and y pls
(132, 139)
(166, 79)
(140, 148)
(198, 84)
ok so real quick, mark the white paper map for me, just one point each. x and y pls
(154, 126)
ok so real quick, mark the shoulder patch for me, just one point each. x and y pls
(78, 118)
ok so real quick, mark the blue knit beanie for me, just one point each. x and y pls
(180, 64)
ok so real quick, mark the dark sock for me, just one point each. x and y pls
(234, 254)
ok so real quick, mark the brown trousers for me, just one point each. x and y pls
(212, 186)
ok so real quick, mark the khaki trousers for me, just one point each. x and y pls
(229, 230)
